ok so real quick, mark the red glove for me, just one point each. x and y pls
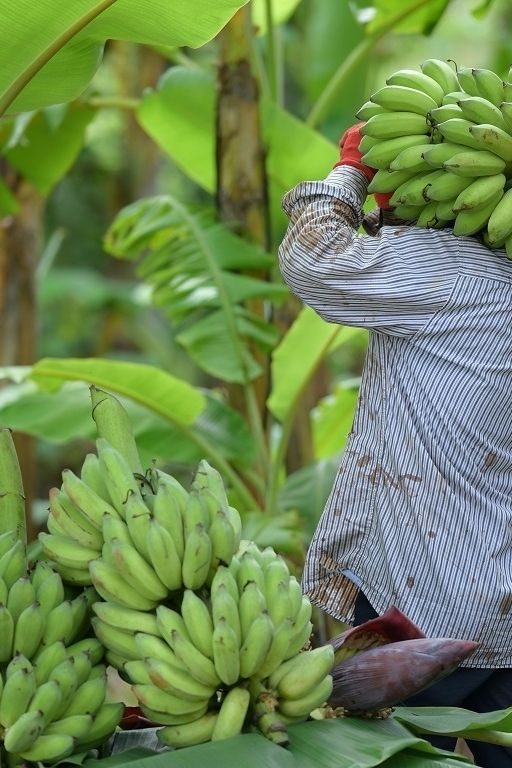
(382, 199)
(349, 151)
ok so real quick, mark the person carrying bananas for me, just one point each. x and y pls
(420, 513)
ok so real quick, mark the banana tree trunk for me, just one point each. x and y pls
(20, 237)
(241, 180)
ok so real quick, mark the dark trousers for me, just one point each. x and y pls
(480, 690)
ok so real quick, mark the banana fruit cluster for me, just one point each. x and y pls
(241, 642)
(441, 142)
(52, 682)
(138, 539)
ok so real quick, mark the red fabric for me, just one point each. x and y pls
(349, 151)
(382, 199)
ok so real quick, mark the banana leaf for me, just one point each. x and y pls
(50, 50)
(192, 263)
(494, 727)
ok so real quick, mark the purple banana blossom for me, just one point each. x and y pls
(384, 676)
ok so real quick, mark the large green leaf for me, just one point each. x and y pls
(48, 145)
(174, 399)
(341, 743)
(455, 720)
(50, 50)
(421, 21)
(65, 415)
(332, 419)
(298, 355)
(180, 116)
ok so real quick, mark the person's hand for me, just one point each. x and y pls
(349, 151)
(382, 199)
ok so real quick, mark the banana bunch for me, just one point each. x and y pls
(194, 668)
(138, 538)
(440, 140)
(52, 682)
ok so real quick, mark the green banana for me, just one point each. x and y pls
(127, 619)
(444, 112)
(115, 639)
(72, 520)
(13, 564)
(114, 426)
(17, 692)
(163, 555)
(66, 551)
(494, 139)
(12, 496)
(506, 111)
(59, 624)
(438, 154)
(136, 570)
(198, 621)
(458, 131)
(117, 474)
(478, 192)
(224, 578)
(138, 518)
(50, 593)
(232, 714)
(113, 527)
(224, 607)
(369, 109)
(442, 73)
(22, 733)
(475, 163)
(105, 722)
(472, 221)
(384, 152)
(256, 645)
(305, 672)
(278, 649)
(303, 706)
(6, 634)
(467, 81)
(29, 631)
(411, 159)
(20, 596)
(151, 647)
(167, 512)
(77, 726)
(197, 557)
(165, 718)
(111, 586)
(199, 665)
(387, 181)
(413, 192)
(405, 99)
(411, 78)
(88, 697)
(251, 604)
(226, 652)
(89, 645)
(47, 699)
(499, 226)
(389, 125)
(155, 698)
(47, 658)
(92, 506)
(446, 187)
(407, 212)
(490, 86)
(481, 110)
(186, 735)
(223, 538)
(49, 748)
(91, 475)
(176, 681)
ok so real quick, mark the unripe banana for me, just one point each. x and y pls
(405, 99)
(126, 619)
(77, 726)
(151, 647)
(136, 571)
(67, 551)
(47, 699)
(442, 73)
(412, 192)
(256, 645)
(198, 621)
(116, 640)
(164, 556)
(224, 578)
(467, 80)
(30, 629)
(197, 557)
(47, 659)
(188, 734)
(72, 520)
(13, 564)
(117, 474)
(226, 657)
(155, 698)
(411, 78)
(481, 110)
(59, 624)
(164, 718)
(470, 222)
(454, 97)
(50, 593)
(278, 649)
(446, 187)
(387, 181)
(444, 112)
(457, 131)
(490, 85)
(475, 163)
(382, 154)
(493, 139)
(49, 748)
(224, 607)
(105, 722)
(438, 154)
(369, 109)
(6, 634)
(91, 475)
(18, 689)
(305, 672)
(303, 706)
(23, 732)
(499, 226)
(91, 505)
(444, 210)
(389, 125)
(407, 212)
(199, 665)
(232, 714)
(411, 159)
(113, 527)
(506, 111)
(478, 192)
(167, 512)
(138, 518)
(87, 645)
(111, 585)
(20, 596)
(89, 697)
(174, 680)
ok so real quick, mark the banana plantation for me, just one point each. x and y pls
(172, 416)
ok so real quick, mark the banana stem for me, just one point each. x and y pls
(347, 66)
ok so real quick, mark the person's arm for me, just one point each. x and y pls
(393, 282)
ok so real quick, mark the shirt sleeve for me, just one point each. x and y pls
(391, 283)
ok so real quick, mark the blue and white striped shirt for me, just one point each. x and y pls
(421, 508)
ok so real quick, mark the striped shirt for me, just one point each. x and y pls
(421, 507)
